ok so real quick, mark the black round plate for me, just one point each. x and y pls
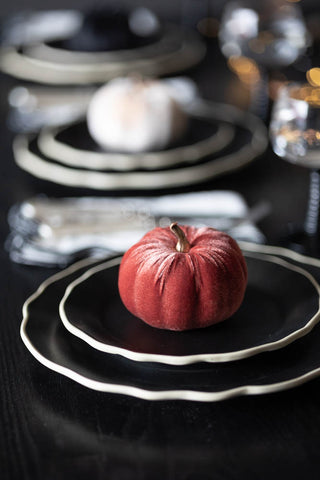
(53, 346)
(272, 314)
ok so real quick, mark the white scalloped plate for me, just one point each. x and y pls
(61, 151)
(238, 156)
(54, 347)
(179, 49)
(270, 317)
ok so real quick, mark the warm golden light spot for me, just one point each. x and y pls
(306, 93)
(312, 136)
(313, 77)
(245, 68)
(209, 27)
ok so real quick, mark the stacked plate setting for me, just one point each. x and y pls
(66, 48)
(220, 139)
(76, 325)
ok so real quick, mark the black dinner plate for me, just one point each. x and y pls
(204, 139)
(53, 346)
(94, 53)
(104, 30)
(78, 137)
(248, 143)
(97, 30)
(279, 304)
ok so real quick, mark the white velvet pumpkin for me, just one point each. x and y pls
(133, 115)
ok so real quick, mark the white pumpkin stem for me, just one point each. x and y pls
(182, 246)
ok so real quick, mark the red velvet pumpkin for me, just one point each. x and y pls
(199, 281)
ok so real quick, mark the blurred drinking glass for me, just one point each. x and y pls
(271, 33)
(295, 136)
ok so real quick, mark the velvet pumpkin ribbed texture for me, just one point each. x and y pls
(183, 290)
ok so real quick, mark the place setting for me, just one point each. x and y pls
(77, 325)
(161, 240)
(182, 312)
(96, 342)
(205, 140)
(158, 295)
(72, 47)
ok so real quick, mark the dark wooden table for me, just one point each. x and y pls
(52, 428)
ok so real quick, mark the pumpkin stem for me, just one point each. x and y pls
(183, 245)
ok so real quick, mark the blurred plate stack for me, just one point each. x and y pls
(220, 140)
(70, 48)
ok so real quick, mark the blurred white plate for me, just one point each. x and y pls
(178, 50)
(250, 141)
(66, 152)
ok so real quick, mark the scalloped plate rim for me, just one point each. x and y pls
(194, 358)
(145, 394)
(192, 174)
